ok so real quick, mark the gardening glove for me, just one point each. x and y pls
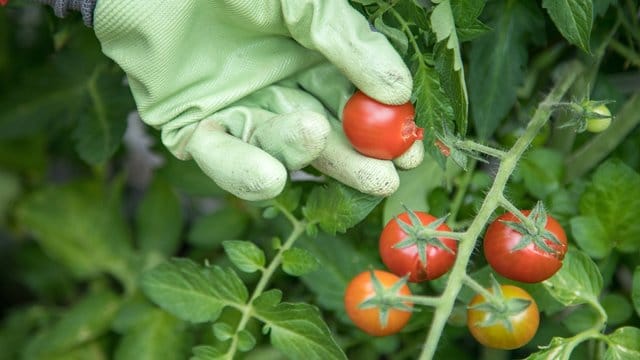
(250, 89)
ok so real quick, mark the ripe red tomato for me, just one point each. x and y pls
(523, 325)
(379, 130)
(406, 260)
(361, 288)
(530, 264)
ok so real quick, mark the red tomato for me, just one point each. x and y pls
(530, 264)
(523, 325)
(378, 130)
(360, 289)
(406, 260)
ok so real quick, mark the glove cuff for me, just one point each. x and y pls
(62, 7)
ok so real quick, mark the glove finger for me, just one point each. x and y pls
(346, 39)
(327, 84)
(236, 166)
(340, 161)
(411, 158)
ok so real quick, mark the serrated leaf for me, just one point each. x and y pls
(79, 324)
(591, 236)
(577, 282)
(497, 62)
(433, 110)
(614, 198)
(223, 331)
(160, 336)
(397, 38)
(448, 60)
(97, 241)
(247, 256)
(635, 290)
(466, 13)
(624, 344)
(204, 352)
(574, 19)
(299, 331)
(159, 219)
(298, 262)
(192, 292)
(337, 207)
(268, 298)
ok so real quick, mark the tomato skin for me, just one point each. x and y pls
(498, 336)
(531, 264)
(361, 288)
(379, 130)
(596, 125)
(402, 261)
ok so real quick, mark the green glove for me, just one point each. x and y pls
(251, 89)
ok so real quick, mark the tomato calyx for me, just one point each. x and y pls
(588, 115)
(499, 309)
(421, 235)
(533, 230)
(386, 299)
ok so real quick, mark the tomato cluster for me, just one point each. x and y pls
(416, 246)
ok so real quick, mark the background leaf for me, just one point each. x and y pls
(624, 344)
(298, 261)
(591, 236)
(577, 282)
(159, 219)
(497, 61)
(573, 18)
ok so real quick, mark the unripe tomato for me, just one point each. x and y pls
(406, 260)
(379, 130)
(524, 325)
(596, 125)
(530, 264)
(361, 288)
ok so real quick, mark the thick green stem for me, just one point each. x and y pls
(461, 192)
(491, 202)
(476, 147)
(421, 300)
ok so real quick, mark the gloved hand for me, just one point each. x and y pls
(250, 89)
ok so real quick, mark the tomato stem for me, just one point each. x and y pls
(491, 202)
(525, 220)
(420, 300)
(470, 145)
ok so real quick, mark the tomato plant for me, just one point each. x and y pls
(377, 319)
(522, 254)
(406, 250)
(507, 329)
(379, 130)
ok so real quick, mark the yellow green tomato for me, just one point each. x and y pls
(596, 125)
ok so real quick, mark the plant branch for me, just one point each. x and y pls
(489, 205)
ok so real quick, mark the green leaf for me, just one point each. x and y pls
(617, 307)
(573, 18)
(497, 62)
(188, 177)
(204, 352)
(160, 336)
(635, 290)
(210, 230)
(591, 236)
(87, 320)
(558, 349)
(268, 298)
(246, 341)
(102, 123)
(449, 63)
(192, 292)
(396, 37)
(10, 188)
(433, 110)
(298, 262)
(245, 255)
(542, 170)
(624, 344)
(581, 319)
(298, 331)
(614, 198)
(466, 13)
(337, 207)
(70, 227)
(159, 219)
(223, 331)
(577, 282)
